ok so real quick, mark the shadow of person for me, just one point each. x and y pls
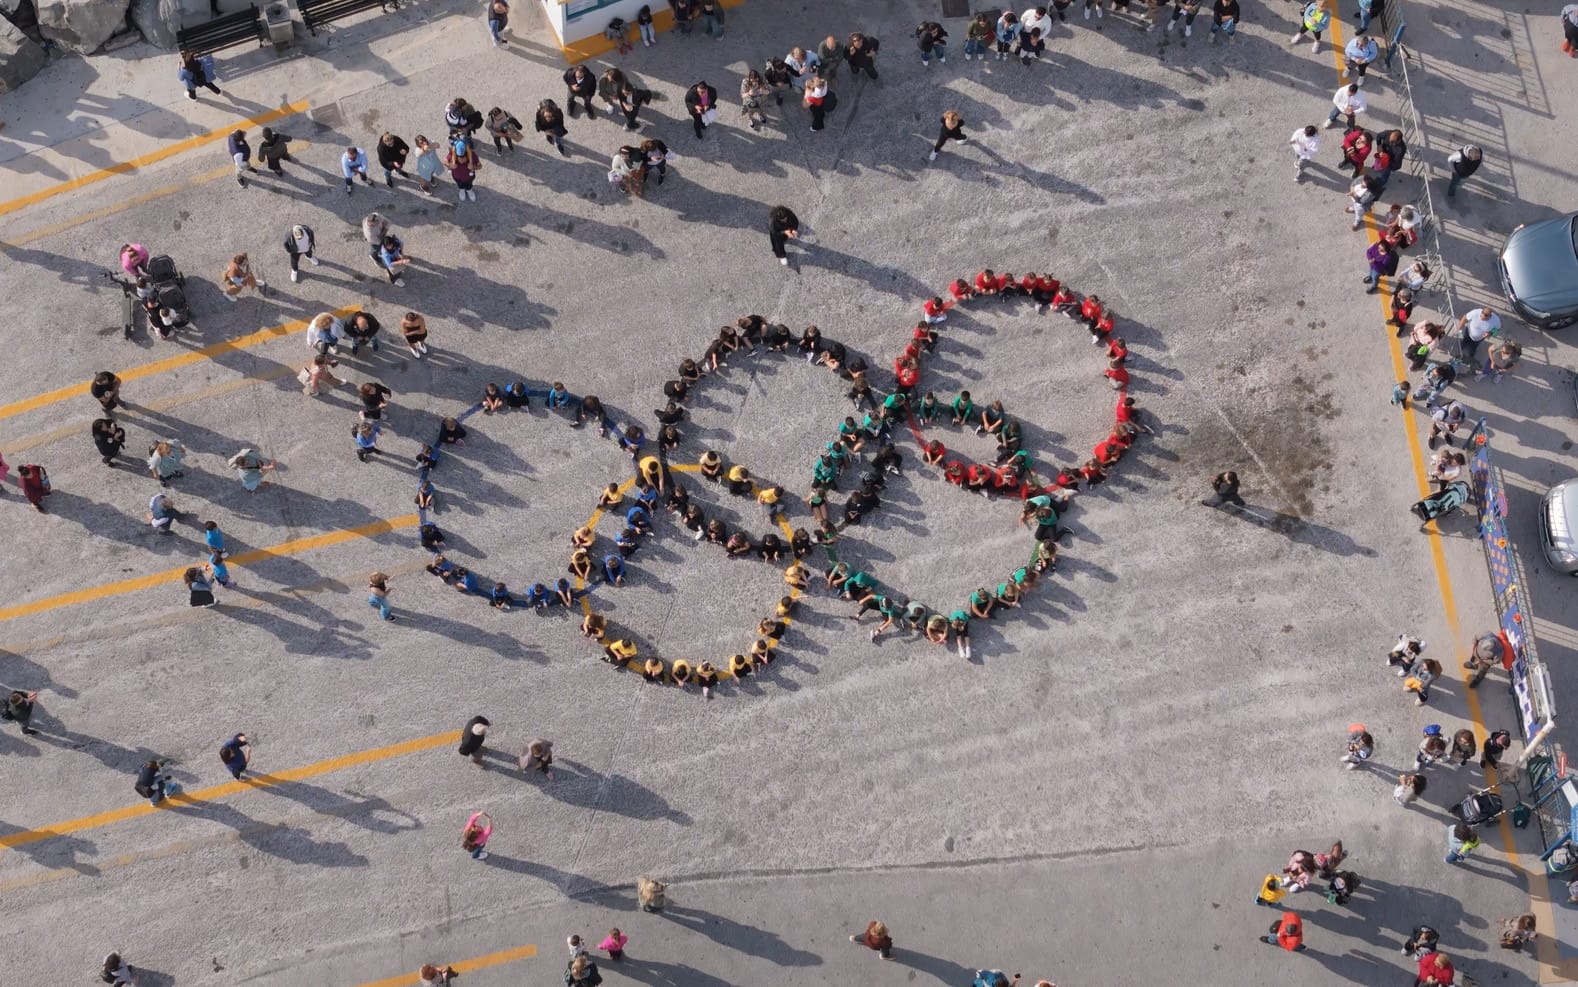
(368, 811)
(664, 974)
(943, 971)
(54, 850)
(275, 839)
(575, 784)
(568, 884)
(736, 935)
(1297, 529)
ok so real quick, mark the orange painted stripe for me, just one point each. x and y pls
(153, 157)
(500, 958)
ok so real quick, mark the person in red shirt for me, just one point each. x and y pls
(1103, 328)
(960, 289)
(908, 374)
(936, 310)
(1092, 473)
(977, 477)
(1127, 416)
(1117, 349)
(933, 453)
(925, 336)
(1067, 478)
(1287, 932)
(1109, 450)
(1117, 375)
(954, 473)
(1434, 969)
(987, 283)
(1063, 301)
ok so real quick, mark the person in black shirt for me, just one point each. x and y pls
(583, 86)
(1224, 18)
(1463, 162)
(392, 153)
(782, 225)
(1225, 485)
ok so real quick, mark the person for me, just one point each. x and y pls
(197, 70)
(474, 838)
(1501, 360)
(235, 754)
(1422, 941)
(1225, 490)
(538, 756)
(117, 972)
(701, 102)
(952, 130)
(1287, 932)
(782, 226)
(251, 469)
(614, 944)
(1434, 969)
(463, 163)
(645, 27)
(1185, 10)
(300, 242)
(877, 938)
(1358, 54)
(1006, 33)
(1495, 745)
(1518, 931)
(238, 276)
(414, 329)
(651, 894)
(1445, 419)
(1569, 30)
(165, 459)
(153, 783)
(498, 20)
(753, 89)
(861, 54)
(1463, 163)
(1224, 18)
(472, 737)
(1461, 841)
(1305, 144)
(581, 85)
(240, 154)
(317, 375)
(108, 438)
(1347, 102)
(977, 36)
(374, 228)
(582, 972)
(627, 171)
(931, 38)
(1474, 327)
(362, 328)
(549, 121)
(353, 164)
(200, 592)
(1314, 19)
(392, 258)
(433, 976)
(815, 99)
(503, 128)
(274, 148)
(1382, 260)
(18, 708)
(1361, 195)
(392, 152)
(1409, 787)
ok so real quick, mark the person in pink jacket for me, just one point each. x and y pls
(474, 838)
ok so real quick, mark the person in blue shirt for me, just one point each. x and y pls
(392, 258)
(161, 513)
(500, 597)
(638, 518)
(235, 754)
(627, 542)
(646, 496)
(538, 596)
(614, 569)
(353, 163)
(565, 592)
(217, 569)
(466, 581)
(632, 441)
(213, 537)
(1360, 51)
(366, 436)
(558, 396)
(241, 154)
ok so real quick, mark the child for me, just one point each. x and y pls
(425, 497)
(927, 411)
(216, 568)
(959, 626)
(614, 569)
(1090, 312)
(452, 433)
(426, 459)
(614, 943)
(960, 290)
(516, 395)
(653, 671)
(1409, 788)
(213, 537)
(936, 310)
(1063, 301)
(648, 33)
(1117, 375)
(594, 626)
(761, 652)
(632, 440)
(504, 128)
(926, 336)
(680, 672)
(610, 498)
(1400, 393)
(557, 397)
(1271, 891)
(577, 948)
(963, 408)
(987, 283)
(739, 666)
(500, 598)
(1360, 747)
(706, 677)
(492, 399)
(1117, 349)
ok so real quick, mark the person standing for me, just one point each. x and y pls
(614, 944)
(197, 71)
(1569, 30)
(106, 390)
(831, 53)
(712, 17)
(977, 36)
(1305, 144)
(474, 838)
(582, 85)
(1383, 264)
(35, 485)
(392, 258)
(152, 783)
(1358, 54)
(1287, 932)
(251, 468)
(498, 20)
(1185, 10)
(18, 708)
(235, 754)
(861, 54)
(366, 436)
(782, 226)
(876, 938)
(1474, 328)
(1224, 18)
(374, 228)
(199, 591)
(549, 122)
(932, 39)
(1347, 102)
(1314, 20)
(952, 130)
(238, 277)
(462, 162)
(1435, 969)
(353, 164)
(108, 438)
(655, 154)
(701, 100)
(1225, 491)
(815, 100)
(378, 594)
(472, 737)
(392, 153)
(1461, 841)
(241, 155)
(1463, 163)
(274, 148)
(299, 243)
(753, 89)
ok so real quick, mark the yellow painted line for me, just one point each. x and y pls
(153, 157)
(296, 547)
(201, 178)
(252, 783)
(500, 958)
(184, 359)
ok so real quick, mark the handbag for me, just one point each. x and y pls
(708, 117)
(305, 376)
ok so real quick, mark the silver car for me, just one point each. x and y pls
(1559, 527)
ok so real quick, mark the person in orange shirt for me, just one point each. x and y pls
(1288, 932)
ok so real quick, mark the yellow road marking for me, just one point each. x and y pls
(136, 583)
(185, 359)
(153, 157)
(201, 178)
(253, 782)
(500, 958)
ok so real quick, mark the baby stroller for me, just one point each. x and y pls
(169, 290)
(1447, 500)
(1478, 807)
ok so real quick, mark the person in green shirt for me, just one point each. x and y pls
(959, 624)
(981, 603)
(963, 408)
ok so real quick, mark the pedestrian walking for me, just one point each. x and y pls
(952, 130)
(651, 894)
(1224, 488)
(582, 85)
(782, 226)
(414, 329)
(366, 436)
(300, 242)
(1474, 327)
(200, 592)
(1434, 969)
(582, 972)
(549, 121)
(274, 148)
(472, 737)
(235, 754)
(353, 165)
(614, 944)
(701, 102)
(1358, 54)
(498, 20)
(861, 54)
(1463, 163)
(238, 276)
(877, 938)
(34, 481)
(1305, 144)
(19, 708)
(1569, 30)
(463, 163)
(378, 594)
(1461, 841)
(753, 89)
(1287, 932)
(1224, 18)
(317, 375)
(240, 154)
(1314, 20)
(1347, 102)
(538, 756)
(251, 468)
(108, 438)
(217, 571)
(197, 70)
(474, 838)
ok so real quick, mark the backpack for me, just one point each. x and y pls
(990, 978)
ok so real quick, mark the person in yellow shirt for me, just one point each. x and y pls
(620, 651)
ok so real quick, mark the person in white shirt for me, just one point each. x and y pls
(324, 333)
(1474, 327)
(1037, 17)
(1347, 102)
(1305, 143)
(1569, 30)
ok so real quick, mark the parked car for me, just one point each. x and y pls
(1539, 272)
(1559, 527)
